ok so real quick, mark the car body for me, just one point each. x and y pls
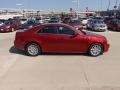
(59, 38)
(114, 24)
(10, 26)
(84, 21)
(46, 19)
(2, 22)
(54, 19)
(76, 24)
(97, 25)
(23, 20)
(29, 24)
(107, 20)
(66, 20)
(39, 20)
(98, 18)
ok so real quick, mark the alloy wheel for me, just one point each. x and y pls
(33, 49)
(96, 49)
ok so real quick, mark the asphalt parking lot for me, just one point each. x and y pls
(59, 72)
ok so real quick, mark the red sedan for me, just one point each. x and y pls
(10, 26)
(76, 24)
(59, 38)
(114, 25)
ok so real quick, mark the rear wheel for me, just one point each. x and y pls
(95, 49)
(33, 49)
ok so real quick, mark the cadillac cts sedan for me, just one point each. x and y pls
(59, 38)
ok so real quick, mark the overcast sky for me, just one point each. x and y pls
(57, 4)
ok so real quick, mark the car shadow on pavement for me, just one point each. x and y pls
(16, 51)
(20, 52)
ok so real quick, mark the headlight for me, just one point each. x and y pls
(2, 29)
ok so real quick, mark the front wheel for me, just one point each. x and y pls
(95, 49)
(33, 49)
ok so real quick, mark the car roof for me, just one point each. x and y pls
(54, 24)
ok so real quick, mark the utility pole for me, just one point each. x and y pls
(109, 2)
(78, 5)
(101, 5)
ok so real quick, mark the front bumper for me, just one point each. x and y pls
(106, 48)
(100, 28)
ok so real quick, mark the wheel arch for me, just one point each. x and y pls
(32, 42)
(95, 43)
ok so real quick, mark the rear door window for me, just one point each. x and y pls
(49, 30)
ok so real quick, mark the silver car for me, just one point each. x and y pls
(97, 25)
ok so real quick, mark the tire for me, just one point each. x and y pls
(95, 50)
(33, 49)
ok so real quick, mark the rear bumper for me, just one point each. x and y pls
(19, 45)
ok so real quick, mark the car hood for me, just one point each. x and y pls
(94, 35)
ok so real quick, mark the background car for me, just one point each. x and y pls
(10, 26)
(46, 19)
(2, 22)
(66, 20)
(39, 20)
(84, 21)
(96, 25)
(114, 24)
(54, 19)
(76, 24)
(23, 21)
(29, 24)
(59, 38)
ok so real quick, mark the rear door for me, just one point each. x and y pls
(49, 38)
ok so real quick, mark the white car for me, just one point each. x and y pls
(47, 19)
(84, 21)
(23, 21)
(40, 20)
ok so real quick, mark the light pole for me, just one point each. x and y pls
(78, 5)
(109, 2)
(101, 4)
(19, 6)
